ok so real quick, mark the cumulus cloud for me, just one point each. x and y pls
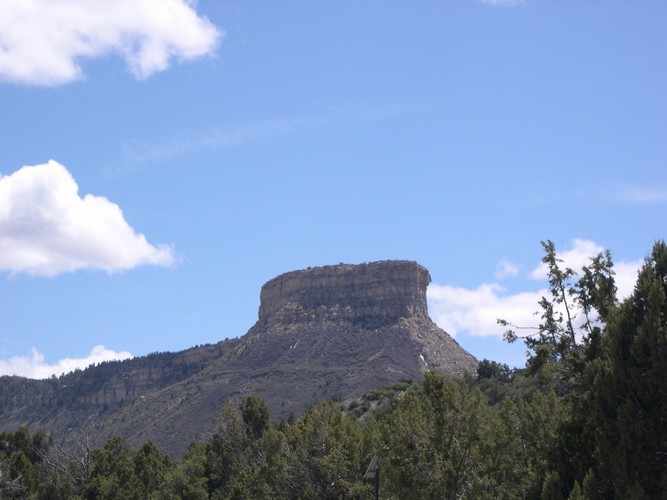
(42, 42)
(458, 310)
(47, 229)
(475, 311)
(34, 366)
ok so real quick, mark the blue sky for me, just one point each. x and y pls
(178, 155)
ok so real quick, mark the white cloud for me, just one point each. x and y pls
(42, 42)
(47, 229)
(475, 311)
(506, 269)
(626, 277)
(36, 367)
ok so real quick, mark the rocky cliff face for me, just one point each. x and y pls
(321, 333)
(367, 294)
(351, 328)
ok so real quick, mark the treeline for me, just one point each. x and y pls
(586, 418)
(484, 438)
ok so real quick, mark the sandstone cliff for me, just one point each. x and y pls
(377, 293)
(366, 311)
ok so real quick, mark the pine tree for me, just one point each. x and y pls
(560, 344)
(628, 389)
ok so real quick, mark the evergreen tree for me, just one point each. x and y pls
(112, 473)
(330, 450)
(628, 390)
(558, 347)
(255, 416)
(567, 341)
(150, 468)
(440, 442)
(187, 479)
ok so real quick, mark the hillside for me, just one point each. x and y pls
(322, 333)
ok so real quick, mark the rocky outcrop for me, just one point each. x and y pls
(372, 294)
(344, 330)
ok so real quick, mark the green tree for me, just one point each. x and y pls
(330, 452)
(150, 468)
(567, 340)
(255, 416)
(494, 370)
(558, 345)
(226, 452)
(23, 472)
(627, 385)
(530, 428)
(112, 473)
(268, 470)
(442, 441)
(611, 440)
(186, 480)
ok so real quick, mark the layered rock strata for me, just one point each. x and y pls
(369, 294)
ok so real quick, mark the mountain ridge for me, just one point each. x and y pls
(321, 333)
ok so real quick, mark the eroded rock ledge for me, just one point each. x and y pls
(376, 293)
